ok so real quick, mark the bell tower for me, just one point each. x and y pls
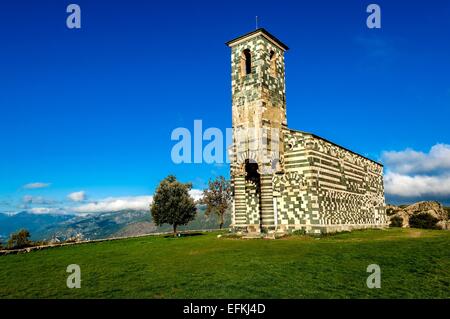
(258, 122)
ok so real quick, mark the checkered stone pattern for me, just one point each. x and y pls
(349, 187)
(252, 203)
(291, 199)
(239, 202)
(341, 208)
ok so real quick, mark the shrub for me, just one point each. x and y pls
(423, 220)
(396, 221)
(21, 239)
(299, 232)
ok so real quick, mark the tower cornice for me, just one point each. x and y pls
(255, 33)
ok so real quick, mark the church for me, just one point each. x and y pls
(283, 179)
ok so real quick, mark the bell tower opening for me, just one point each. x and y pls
(273, 63)
(246, 62)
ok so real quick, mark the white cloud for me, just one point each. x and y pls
(413, 162)
(196, 194)
(77, 207)
(412, 173)
(114, 204)
(417, 185)
(46, 210)
(36, 185)
(77, 196)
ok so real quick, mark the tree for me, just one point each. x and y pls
(172, 203)
(423, 220)
(396, 221)
(217, 198)
(18, 240)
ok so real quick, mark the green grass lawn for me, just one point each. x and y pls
(414, 264)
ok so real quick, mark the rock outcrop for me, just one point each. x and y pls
(433, 208)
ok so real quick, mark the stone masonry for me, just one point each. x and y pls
(284, 179)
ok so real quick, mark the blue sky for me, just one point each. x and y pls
(92, 110)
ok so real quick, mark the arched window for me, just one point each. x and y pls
(273, 64)
(246, 62)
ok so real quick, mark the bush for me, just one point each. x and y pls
(19, 240)
(396, 221)
(423, 220)
(299, 232)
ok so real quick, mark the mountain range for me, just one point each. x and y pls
(53, 227)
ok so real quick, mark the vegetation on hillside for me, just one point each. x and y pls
(396, 221)
(423, 220)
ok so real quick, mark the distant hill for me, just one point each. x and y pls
(94, 226)
(35, 223)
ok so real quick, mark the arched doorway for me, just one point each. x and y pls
(253, 196)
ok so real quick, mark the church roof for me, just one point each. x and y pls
(340, 146)
(262, 31)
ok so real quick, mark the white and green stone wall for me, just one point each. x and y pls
(301, 181)
(326, 188)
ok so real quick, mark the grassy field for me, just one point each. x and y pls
(414, 264)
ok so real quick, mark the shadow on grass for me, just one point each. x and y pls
(179, 235)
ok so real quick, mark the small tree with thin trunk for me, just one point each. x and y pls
(18, 240)
(172, 203)
(217, 198)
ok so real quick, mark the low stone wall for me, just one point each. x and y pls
(30, 249)
(327, 229)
